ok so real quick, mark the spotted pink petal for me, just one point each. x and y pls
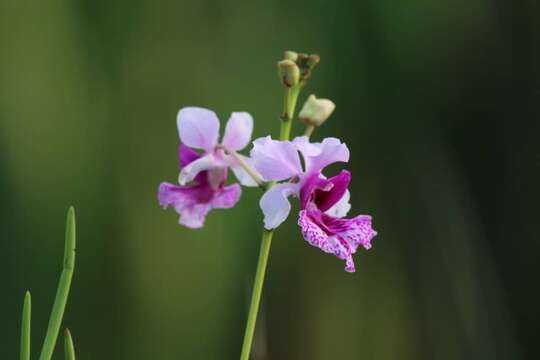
(238, 131)
(198, 128)
(340, 237)
(275, 160)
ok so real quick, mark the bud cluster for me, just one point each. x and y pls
(296, 68)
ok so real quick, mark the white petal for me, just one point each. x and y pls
(189, 172)
(198, 127)
(331, 150)
(243, 177)
(342, 207)
(238, 131)
(275, 204)
(275, 160)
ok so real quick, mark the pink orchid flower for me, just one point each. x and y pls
(323, 202)
(202, 176)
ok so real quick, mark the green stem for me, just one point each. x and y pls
(68, 346)
(290, 100)
(62, 293)
(289, 105)
(25, 328)
(257, 291)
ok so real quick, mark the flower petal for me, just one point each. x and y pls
(275, 204)
(238, 131)
(190, 202)
(186, 155)
(342, 207)
(326, 199)
(340, 237)
(275, 160)
(198, 127)
(243, 177)
(207, 162)
(193, 216)
(318, 156)
(226, 197)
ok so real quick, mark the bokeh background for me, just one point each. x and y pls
(437, 100)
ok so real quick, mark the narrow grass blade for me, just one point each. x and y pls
(62, 293)
(68, 346)
(25, 327)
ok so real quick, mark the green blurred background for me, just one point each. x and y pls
(437, 100)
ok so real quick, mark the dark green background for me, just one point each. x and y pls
(437, 100)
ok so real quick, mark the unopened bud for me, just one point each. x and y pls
(316, 111)
(289, 73)
(312, 61)
(290, 55)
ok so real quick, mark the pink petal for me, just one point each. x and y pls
(226, 197)
(186, 155)
(193, 217)
(191, 203)
(198, 127)
(340, 237)
(342, 207)
(238, 131)
(326, 199)
(275, 204)
(275, 160)
(318, 156)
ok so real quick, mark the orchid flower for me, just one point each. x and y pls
(202, 176)
(323, 201)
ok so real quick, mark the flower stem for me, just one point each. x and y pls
(62, 292)
(25, 329)
(290, 100)
(257, 291)
(289, 105)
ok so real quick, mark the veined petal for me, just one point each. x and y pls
(275, 204)
(226, 197)
(305, 147)
(275, 160)
(238, 131)
(243, 177)
(198, 127)
(340, 237)
(318, 156)
(342, 207)
(206, 162)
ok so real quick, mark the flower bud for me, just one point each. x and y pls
(316, 111)
(290, 55)
(289, 73)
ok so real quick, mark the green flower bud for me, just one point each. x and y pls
(289, 73)
(316, 111)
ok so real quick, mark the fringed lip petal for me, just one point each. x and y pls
(340, 237)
